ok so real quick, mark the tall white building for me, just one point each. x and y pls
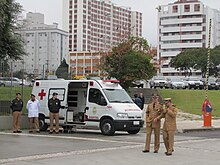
(98, 24)
(181, 25)
(46, 46)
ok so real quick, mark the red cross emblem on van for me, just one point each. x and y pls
(42, 94)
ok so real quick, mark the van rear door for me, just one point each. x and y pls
(76, 101)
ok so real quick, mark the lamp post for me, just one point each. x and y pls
(91, 58)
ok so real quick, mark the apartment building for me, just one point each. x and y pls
(98, 25)
(84, 63)
(181, 25)
(46, 46)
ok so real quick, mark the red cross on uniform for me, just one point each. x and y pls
(42, 94)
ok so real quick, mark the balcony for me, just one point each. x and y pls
(180, 21)
(181, 29)
(182, 37)
(168, 70)
(181, 45)
(170, 53)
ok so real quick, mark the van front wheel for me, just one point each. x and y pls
(107, 127)
(42, 125)
(133, 131)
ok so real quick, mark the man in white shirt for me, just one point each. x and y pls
(33, 106)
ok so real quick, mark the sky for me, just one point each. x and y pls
(52, 10)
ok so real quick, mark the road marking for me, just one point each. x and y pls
(68, 153)
(70, 137)
(197, 140)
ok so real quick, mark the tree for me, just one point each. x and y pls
(185, 61)
(11, 44)
(215, 61)
(62, 70)
(129, 62)
(4, 68)
(19, 74)
(197, 59)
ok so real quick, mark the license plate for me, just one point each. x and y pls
(136, 122)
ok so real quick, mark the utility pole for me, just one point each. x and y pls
(43, 73)
(22, 86)
(11, 79)
(47, 69)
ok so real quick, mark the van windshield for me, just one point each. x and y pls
(117, 96)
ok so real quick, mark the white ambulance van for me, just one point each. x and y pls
(102, 104)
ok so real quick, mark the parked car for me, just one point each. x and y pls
(159, 81)
(2, 84)
(138, 84)
(10, 81)
(194, 82)
(177, 83)
(212, 83)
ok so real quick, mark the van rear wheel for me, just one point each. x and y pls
(133, 131)
(42, 125)
(107, 127)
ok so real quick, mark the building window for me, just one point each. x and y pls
(186, 8)
(175, 9)
(197, 7)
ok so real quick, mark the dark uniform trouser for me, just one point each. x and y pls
(52, 117)
(16, 121)
(156, 138)
(168, 138)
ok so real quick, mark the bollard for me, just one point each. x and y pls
(207, 113)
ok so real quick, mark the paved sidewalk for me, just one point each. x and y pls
(188, 122)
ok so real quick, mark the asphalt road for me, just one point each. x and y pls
(90, 147)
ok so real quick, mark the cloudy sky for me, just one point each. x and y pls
(52, 9)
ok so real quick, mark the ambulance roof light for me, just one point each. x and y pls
(111, 81)
(91, 83)
(37, 83)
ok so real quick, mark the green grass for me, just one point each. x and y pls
(191, 100)
(8, 93)
(187, 100)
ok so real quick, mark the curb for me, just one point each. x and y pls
(143, 130)
(199, 129)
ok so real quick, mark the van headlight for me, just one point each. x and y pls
(122, 115)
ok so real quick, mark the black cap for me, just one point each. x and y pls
(32, 95)
(18, 93)
(55, 94)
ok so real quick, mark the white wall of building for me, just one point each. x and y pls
(181, 25)
(97, 24)
(46, 46)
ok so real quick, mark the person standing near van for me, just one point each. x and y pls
(154, 110)
(33, 106)
(54, 108)
(169, 126)
(16, 106)
(137, 101)
(141, 96)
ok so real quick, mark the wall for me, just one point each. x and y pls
(6, 122)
